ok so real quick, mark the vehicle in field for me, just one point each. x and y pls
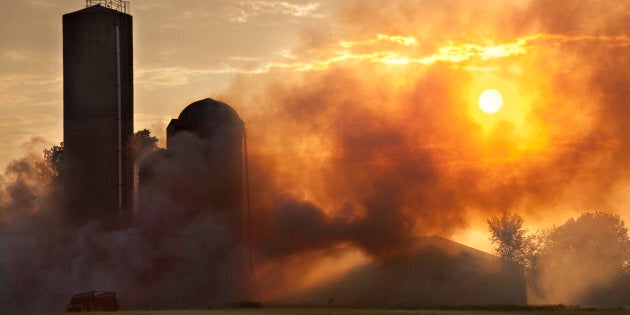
(93, 301)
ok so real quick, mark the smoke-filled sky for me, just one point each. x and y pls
(357, 107)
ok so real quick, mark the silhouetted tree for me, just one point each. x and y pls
(586, 260)
(598, 238)
(143, 143)
(513, 243)
(53, 160)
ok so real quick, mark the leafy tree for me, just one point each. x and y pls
(513, 243)
(598, 239)
(53, 159)
(586, 260)
(143, 143)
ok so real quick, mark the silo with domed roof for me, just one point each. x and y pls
(220, 131)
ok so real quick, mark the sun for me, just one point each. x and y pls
(490, 101)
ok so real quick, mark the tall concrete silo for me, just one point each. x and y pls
(98, 112)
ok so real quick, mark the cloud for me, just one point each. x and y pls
(397, 39)
(173, 76)
(15, 55)
(374, 51)
(342, 52)
(189, 14)
(30, 105)
(242, 11)
(383, 48)
(29, 82)
(19, 129)
(42, 4)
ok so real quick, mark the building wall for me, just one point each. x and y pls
(91, 114)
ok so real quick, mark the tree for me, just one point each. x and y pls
(143, 143)
(509, 235)
(595, 238)
(53, 159)
(585, 260)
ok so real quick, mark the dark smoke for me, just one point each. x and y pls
(377, 176)
(171, 257)
(360, 155)
(376, 156)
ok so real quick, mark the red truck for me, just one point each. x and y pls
(93, 301)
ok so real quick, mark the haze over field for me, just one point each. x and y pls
(363, 122)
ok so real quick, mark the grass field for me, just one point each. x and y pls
(332, 311)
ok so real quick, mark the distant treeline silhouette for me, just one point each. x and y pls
(584, 261)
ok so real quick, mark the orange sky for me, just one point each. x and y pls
(345, 101)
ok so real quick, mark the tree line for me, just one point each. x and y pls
(142, 142)
(583, 261)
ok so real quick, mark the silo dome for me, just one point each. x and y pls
(205, 117)
(207, 112)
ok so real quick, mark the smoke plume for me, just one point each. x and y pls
(370, 153)
(389, 144)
